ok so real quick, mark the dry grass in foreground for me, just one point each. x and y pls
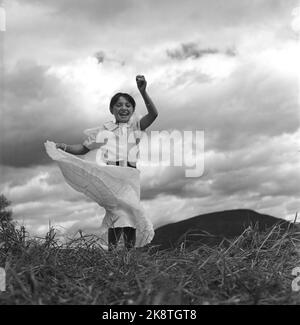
(255, 268)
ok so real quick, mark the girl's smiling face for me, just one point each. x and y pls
(122, 110)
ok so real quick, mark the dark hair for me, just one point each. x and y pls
(116, 97)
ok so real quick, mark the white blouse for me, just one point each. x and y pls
(114, 142)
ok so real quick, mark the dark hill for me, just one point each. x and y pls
(212, 228)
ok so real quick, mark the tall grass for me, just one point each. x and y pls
(255, 268)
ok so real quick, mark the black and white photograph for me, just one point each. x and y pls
(149, 155)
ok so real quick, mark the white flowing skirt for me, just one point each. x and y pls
(117, 189)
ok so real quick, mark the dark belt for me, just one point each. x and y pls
(117, 163)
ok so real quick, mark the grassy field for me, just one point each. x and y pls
(255, 268)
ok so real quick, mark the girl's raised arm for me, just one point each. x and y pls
(149, 118)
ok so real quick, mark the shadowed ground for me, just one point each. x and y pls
(255, 268)
(212, 228)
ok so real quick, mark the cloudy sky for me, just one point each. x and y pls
(229, 68)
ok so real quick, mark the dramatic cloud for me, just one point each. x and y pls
(37, 107)
(267, 167)
(190, 50)
(78, 28)
(255, 100)
(100, 56)
(40, 196)
(90, 9)
(233, 12)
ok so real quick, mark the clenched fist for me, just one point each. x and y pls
(141, 83)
